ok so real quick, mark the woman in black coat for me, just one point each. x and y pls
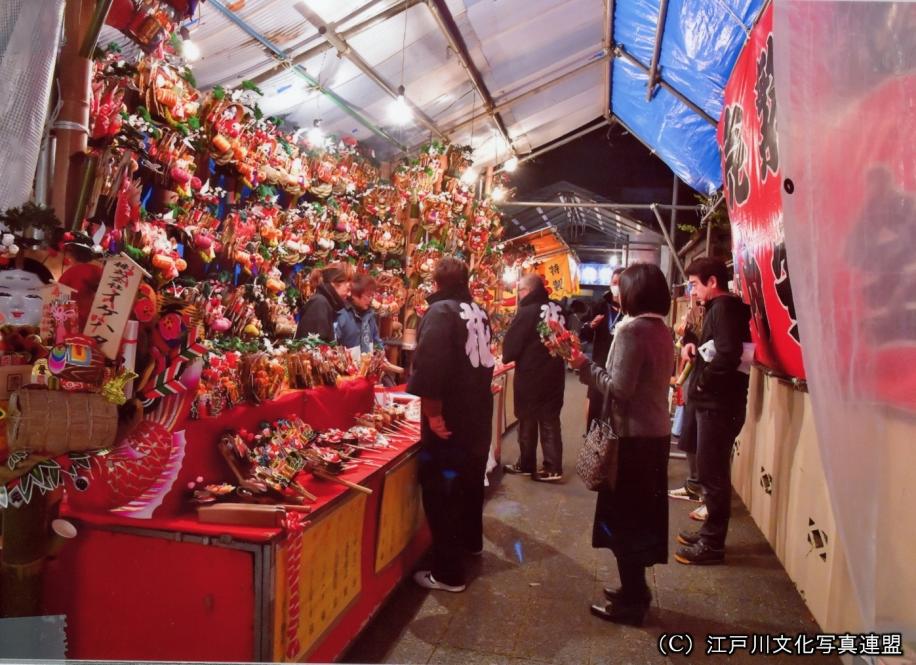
(332, 288)
(540, 380)
(632, 519)
(599, 330)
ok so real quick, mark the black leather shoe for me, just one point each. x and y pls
(688, 537)
(623, 613)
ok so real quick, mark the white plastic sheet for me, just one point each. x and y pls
(29, 35)
(846, 86)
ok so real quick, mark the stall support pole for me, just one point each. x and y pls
(673, 224)
(72, 127)
(708, 238)
(661, 225)
(706, 217)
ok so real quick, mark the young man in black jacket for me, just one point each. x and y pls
(539, 384)
(599, 331)
(718, 398)
(452, 374)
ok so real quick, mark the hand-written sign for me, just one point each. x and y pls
(558, 278)
(113, 303)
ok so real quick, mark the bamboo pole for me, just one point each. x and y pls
(94, 27)
(71, 129)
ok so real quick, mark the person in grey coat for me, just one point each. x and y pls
(632, 519)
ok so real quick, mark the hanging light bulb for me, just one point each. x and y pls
(189, 50)
(511, 164)
(316, 133)
(499, 193)
(399, 112)
(469, 177)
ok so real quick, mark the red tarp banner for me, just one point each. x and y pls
(752, 182)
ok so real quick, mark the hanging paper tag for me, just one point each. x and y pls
(113, 303)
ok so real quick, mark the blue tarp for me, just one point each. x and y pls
(700, 45)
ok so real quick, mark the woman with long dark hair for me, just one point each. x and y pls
(331, 286)
(632, 519)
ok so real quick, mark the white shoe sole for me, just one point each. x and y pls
(426, 580)
(683, 497)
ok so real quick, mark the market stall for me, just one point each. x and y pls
(186, 475)
(280, 591)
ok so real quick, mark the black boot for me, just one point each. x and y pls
(617, 595)
(621, 611)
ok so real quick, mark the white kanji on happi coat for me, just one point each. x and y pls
(477, 346)
(552, 312)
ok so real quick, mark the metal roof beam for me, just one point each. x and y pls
(541, 87)
(345, 50)
(557, 144)
(449, 28)
(657, 51)
(610, 206)
(628, 223)
(554, 215)
(611, 235)
(599, 249)
(285, 61)
(273, 48)
(558, 221)
(609, 48)
(633, 60)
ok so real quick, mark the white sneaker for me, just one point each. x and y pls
(682, 494)
(700, 514)
(426, 580)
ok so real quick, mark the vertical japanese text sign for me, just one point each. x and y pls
(113, 303)
(752, 179)
(556, 273)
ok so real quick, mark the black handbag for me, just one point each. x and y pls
(596, 463)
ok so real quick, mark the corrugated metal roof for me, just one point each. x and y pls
(519, 46)
(516, 44)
